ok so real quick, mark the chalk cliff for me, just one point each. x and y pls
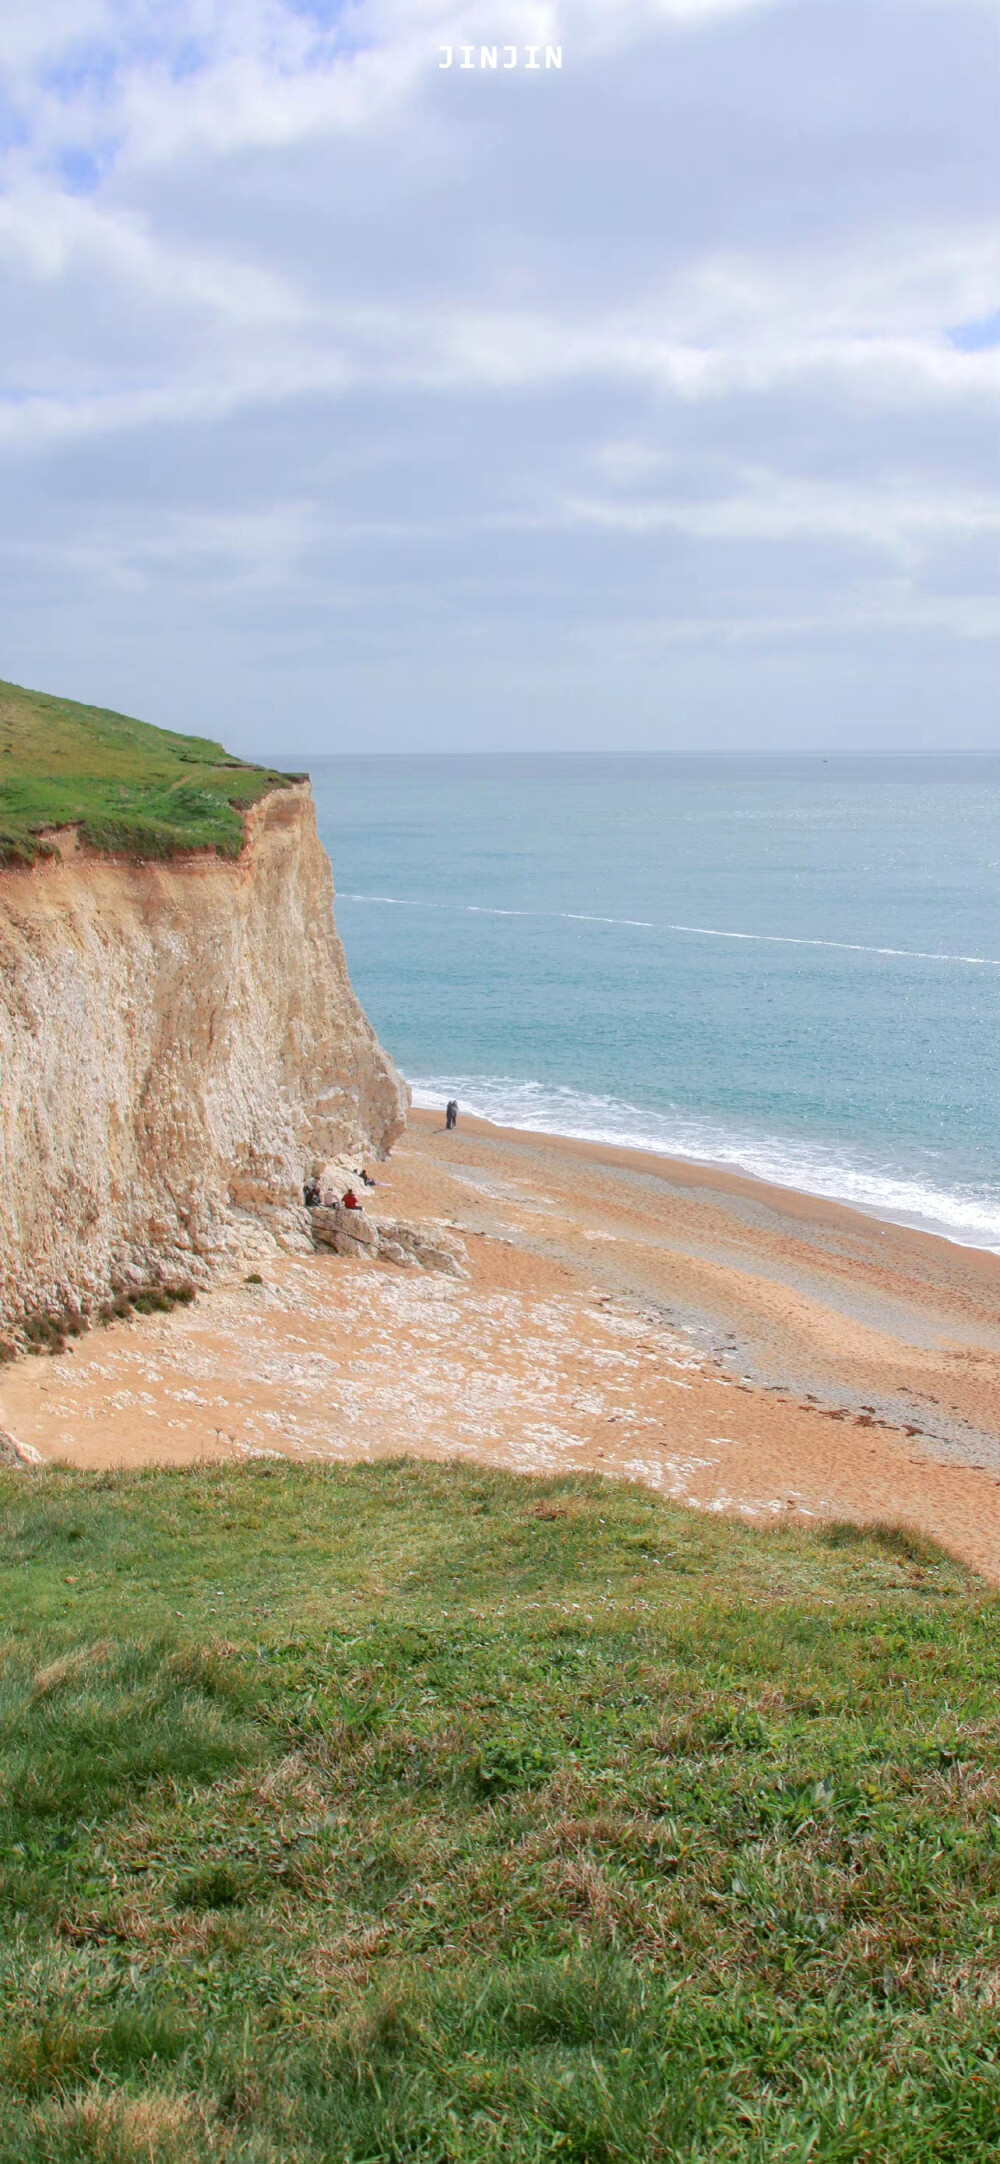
(179, 1045)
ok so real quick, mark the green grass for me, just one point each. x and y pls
(131, 789)
(431, 1816)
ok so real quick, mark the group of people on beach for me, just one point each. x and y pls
(316, 1198)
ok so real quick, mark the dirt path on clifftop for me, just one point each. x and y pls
(737, 1347)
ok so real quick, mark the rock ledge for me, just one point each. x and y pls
(354, 1232)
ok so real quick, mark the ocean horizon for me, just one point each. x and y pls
(784, 965)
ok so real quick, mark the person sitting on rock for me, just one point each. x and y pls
(310, 1194)
(351, 1201)
(366, 1178)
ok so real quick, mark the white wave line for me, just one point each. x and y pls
(697, 931)
(482, 909)
(576, 916)
(392, 901)
(845, 946)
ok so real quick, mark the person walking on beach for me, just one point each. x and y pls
(451, 1113)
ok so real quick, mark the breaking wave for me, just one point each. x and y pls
(968, 1214)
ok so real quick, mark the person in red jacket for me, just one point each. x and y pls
(351, 1201)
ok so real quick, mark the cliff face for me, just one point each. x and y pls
(179, 1044)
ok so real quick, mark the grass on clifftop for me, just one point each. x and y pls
(131, 789)
(422, 1815)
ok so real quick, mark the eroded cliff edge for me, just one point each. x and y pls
(179, 1044)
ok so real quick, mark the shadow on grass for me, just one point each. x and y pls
(87, 1730)
(882, 1534)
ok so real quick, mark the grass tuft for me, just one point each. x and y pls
(215, 1888)
(892, 1539)
(47, 1333)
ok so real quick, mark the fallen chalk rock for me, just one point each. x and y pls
(353, 1232)
(13, 1452)
(428, 1245)
(335, 1177)
(348, 1232)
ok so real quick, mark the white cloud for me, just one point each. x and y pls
(31, 36)
(769, 507)
(278, 296)
(52, 236)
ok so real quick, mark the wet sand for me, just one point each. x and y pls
(738, 1347)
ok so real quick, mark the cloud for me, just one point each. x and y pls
(303, 335)
(768, 507)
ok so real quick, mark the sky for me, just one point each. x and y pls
(353, 402)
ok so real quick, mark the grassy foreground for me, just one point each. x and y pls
(429, 1816)
(131, 789)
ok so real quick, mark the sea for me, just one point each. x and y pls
(788, 966)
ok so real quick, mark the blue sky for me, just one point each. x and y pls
(352, 404)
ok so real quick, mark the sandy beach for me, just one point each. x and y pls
(738, 1347)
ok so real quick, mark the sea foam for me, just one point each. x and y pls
(970, 1218)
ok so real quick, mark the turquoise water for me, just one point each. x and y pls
(786, 965)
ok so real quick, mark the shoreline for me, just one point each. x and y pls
(720, 1168)
(703, 1173)
(737, 1347)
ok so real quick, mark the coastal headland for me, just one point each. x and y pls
(182, 1050)
(179, 1038)
(740, 1348)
